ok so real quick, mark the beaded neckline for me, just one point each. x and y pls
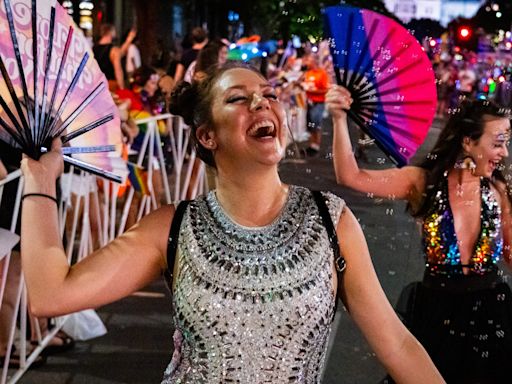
(216, 207)
(254, 239)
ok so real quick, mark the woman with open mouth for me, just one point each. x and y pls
(462, 310)
(255, 266)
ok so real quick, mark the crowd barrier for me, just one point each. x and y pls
(18, 296)
(92, 213)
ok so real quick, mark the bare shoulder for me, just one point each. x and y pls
(164, 213)
(115, 52)
(154, 228)
(347, 220)
(350, 233)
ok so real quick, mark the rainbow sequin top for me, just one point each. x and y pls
(440, 240)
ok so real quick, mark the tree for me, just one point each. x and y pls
(494, 15)
(303, 18)
(373, 5)
(154, 29)
(422, 28)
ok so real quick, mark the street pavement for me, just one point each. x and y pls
(138, 344)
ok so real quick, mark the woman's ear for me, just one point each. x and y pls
(206, 137)
(466, 143)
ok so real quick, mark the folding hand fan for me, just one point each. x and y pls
(389, 75)
(54, 88)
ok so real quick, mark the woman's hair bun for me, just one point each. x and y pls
(183, 101)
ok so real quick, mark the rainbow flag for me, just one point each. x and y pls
(138, 178)
(299, 99)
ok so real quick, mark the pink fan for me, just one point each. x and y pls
(54, 88)
(389, 75)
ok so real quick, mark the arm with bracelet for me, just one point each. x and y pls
(55, 287)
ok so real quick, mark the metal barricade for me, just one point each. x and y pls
(18, 300)
(183, 158)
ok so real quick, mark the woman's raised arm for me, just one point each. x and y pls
(404, 183)
(126, 264)
(397, 349)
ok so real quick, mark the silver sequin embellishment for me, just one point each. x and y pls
(253, 305)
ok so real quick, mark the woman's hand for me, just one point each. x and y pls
(337, 101)
(41, 174)
(131, 35)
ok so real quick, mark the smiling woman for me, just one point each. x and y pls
(255, 266)
(236, 105)
(462, 310)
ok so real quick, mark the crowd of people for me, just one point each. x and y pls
(484, 77)
(301, 77)
(256, 266)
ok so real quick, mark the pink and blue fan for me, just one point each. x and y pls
(389, 76)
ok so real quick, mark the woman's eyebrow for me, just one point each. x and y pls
(264, 85)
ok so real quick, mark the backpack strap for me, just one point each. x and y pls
(174, 233)
(339, 261)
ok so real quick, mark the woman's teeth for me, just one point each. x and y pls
(262, 129)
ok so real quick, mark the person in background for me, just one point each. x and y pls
(199, 40)
(109, 56)
(213, 54)
(166, 85)
(142, 92)
(503, 95)
(445, 83)
(173, 61)
(315, 83)
(461, 311)
(467, 79)
(133, 60)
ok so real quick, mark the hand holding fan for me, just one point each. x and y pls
(53, 88)
(389, 76)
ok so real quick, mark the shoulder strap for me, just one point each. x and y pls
(339, 261)
(173, 236)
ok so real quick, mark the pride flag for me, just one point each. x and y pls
(299, 99)
(138, 178)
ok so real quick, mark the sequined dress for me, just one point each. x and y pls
(464, 320)
(253, 305)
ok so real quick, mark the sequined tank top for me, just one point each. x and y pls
(253, 305)
(440, 240)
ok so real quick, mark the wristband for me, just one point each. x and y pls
(41, 195)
